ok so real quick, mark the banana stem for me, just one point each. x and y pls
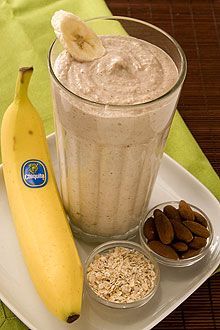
(23, 79)
(72, 318)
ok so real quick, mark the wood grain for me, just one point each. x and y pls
(195, 25)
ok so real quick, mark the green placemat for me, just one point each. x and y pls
(8, 321)
(26, 35)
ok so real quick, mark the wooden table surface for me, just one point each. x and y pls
(195, 25)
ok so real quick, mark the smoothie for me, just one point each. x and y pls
(110, 137)
(132, 71)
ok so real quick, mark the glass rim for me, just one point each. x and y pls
(181, 74)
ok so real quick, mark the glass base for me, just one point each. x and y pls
(90, 238)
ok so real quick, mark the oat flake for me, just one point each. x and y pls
(121, 275)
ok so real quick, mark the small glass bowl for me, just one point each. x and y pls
(105, 247)
(179, 262)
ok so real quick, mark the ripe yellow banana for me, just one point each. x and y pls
(41, 225)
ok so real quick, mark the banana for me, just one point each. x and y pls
(76, 37)
(41, 225)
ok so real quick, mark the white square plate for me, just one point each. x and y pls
(17, 291)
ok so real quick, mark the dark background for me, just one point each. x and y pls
(195, 25)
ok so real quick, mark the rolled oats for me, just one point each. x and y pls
(121, 275)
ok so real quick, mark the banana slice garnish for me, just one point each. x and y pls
(76, 37)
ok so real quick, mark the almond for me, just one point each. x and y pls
(200, 219)
(172, 213)
(185, 211)
(198, 243)
(163, 226)
(181, 232)
(149, 229)
(163, 250)
(180, 246)
(197, 229)
(190, 253)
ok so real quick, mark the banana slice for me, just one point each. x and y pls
(76, 37)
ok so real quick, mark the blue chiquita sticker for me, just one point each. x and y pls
(34, 173)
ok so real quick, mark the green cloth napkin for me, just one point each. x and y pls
(26, 35)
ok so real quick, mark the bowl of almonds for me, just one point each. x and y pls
(177, 233)
(121, 274)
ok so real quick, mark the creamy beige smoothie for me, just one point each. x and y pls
(132, 71)
(110, 151)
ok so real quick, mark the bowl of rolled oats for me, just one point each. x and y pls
(121, 274)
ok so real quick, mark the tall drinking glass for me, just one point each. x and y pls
(109, 155)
